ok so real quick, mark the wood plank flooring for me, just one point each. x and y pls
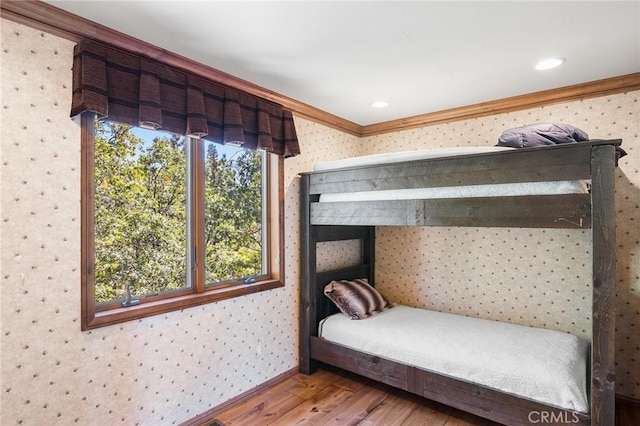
(335, 397)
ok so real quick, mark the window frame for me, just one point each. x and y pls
(94, 316)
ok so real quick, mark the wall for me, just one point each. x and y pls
(526, 276)
(168, 368)
(155, 371)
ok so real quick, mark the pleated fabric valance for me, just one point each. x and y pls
(141, 91)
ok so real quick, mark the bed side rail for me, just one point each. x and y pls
(543, 211)
(557, 162)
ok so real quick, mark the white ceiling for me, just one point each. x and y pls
(422, 57)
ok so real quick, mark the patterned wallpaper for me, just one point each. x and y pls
(168, 368)
(318, 143)
(512, 275)
(155, 371)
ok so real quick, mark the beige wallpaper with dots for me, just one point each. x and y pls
(165, 369)
(156, 371)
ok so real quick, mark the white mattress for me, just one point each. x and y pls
(491, 190)
(498, 190)
(397, 157)
(543, 365)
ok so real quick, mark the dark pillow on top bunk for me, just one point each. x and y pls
(356, 298)
(541, 134)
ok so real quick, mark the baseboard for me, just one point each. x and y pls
(209, 415)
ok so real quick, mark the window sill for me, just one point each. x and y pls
(156, 307)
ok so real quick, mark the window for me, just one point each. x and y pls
(170, 222)
(158, 232)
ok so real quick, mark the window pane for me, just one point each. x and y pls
(233, 213)
(140, 211)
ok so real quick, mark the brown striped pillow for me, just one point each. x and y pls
(356, 298)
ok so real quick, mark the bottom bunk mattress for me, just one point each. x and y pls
(542, 365)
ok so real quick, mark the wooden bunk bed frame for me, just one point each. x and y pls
(594, 160)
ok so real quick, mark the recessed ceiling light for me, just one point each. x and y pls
(380, 104)
(547, 64)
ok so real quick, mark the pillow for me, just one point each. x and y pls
(356, 299)
(541, 134)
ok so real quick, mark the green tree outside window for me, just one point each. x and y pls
(141, 212)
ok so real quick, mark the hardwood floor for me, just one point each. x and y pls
(334, 397)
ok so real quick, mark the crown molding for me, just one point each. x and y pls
(625, 83)
(55, 21)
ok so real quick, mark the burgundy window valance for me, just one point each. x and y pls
(141, 91)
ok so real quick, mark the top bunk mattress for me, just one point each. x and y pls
(464, 191)
(543, 365)
(402, 156)
(485, 190)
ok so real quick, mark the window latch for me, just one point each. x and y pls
(250, 279)
(128, 300)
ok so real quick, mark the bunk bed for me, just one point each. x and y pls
(351, 218)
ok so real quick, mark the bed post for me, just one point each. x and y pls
(604, 264)
(313, 306)
(307, 279)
